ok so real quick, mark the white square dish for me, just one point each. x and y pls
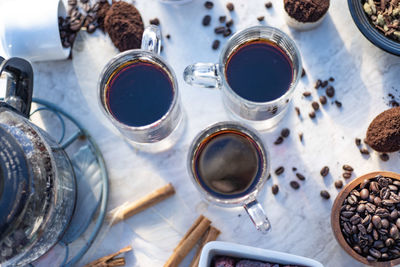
(252, 253)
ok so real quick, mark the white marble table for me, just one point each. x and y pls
(300, 219)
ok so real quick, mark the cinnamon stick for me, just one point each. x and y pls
(194, 225)
(211, 235)
(186, 245)
(142, 204)
(110, 260)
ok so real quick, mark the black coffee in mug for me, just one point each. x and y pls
(139, 93)
(259, 71)
(227, 164)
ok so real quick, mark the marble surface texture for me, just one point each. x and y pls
(364, 75)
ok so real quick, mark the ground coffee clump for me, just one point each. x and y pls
(383, 134)
(306, 10)
(124, 25)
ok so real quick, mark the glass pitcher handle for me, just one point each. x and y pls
(151, 40)
(203, 75)
(257, 216)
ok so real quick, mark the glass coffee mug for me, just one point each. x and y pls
(258, 71)
(138, 93)
(229, 165)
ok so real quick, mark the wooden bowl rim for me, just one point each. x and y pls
(335, 214)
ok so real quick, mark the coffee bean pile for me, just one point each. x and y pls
(370, 219)
(363, 149)
(81, 14)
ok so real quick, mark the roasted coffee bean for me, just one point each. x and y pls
(324, 84)
(393, 188)
(230, 7)
(303, 73)
(364, 194)
(370, 227)
(352, 200)
(325, 194)
(331, 79)
(347, 175)
(219, 30)
(361, 208)
(227, 32)
(155, 21)
(285, 132)
(301, 137)
(295, 185)
(297, 109)
(300, 176)
(370, 258)
(330, 91)
(275, 189)
(389, 242)
(379, 244)
(358, 141)
(394, 232)
(388, 202)
(307, 94)
(279, 170)
(377, 201)
(215, 44)
(384, 182)
(366, 220)
(347, 213)
(91, 28)
(355, 219)
(385, 223)
(394, 215)
(364, 151)
(356, 193)
(324, 171)
(268, 5)
(348, 168)
(279, 140)
(322, 99)
(206, 20)
(168, 36)
(384, 157)
(311, 114)
(209, 4)
(338, 184)
(76, 25)
(260, 18)
(382, 212)
(377, 221)
(338, 103)
(385, 193)
(222, 19)
(229, 23)
(375, 253)
(375, 234)
(374, 187)
(315, 105)
(357, 249)
(370, 207)
(318, 84)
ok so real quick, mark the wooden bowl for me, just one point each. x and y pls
(335, 220)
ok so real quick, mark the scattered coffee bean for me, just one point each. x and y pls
(301, 137)
(168, 36)
(307, 94)
(348, 168)
(295, 185)
(294, 169)
(90, 29)
(315, 105)
(229, 23)
(297, 109)
(364, 151)
(260, 18)
(279, 170)
(311, 114)
(300, 176)
(318, 84)
(278, 141)
(227, 32)
(338, 104)
(358, 141)
(230, 7)
(155, 21)
(325, 194)
(285, 132)
(206, 20)
(275, 189)
(331, 79)
(222, 19)
(268, 5)
(330, 91)
(338, 184)
(209, 4)
(346, 175)
(324, 171)
(384, 157)
(303, 73)
(322, 99)
(219, 30)
(324, 84)
(215, 44)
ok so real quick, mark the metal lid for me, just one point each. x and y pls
(14, 180)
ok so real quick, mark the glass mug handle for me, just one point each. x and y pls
(151, 40)
(257, 216)
(203, 75)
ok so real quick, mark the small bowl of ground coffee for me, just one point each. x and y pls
(365, 219)
(305, 14)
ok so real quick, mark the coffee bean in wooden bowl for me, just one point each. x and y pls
(365, 219)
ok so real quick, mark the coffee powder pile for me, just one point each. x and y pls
(306, 10)
(383, 134)
(124, 25)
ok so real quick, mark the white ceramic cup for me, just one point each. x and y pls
(29, 29)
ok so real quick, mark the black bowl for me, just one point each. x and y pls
(376, 37)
